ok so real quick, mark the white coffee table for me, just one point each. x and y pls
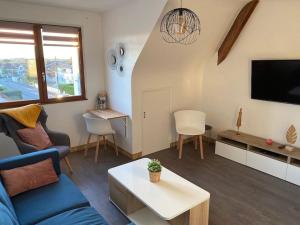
(173, 200)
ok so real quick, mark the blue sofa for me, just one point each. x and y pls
(60, 203)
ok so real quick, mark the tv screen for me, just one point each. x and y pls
(276, 80)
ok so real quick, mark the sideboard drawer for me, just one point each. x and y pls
(267, 165)
(293, 174)
(231, 152)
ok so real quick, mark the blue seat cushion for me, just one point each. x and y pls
(6, 218)
(39, 204)
(5, 200)
(81, 216)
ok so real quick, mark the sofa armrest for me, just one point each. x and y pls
(31, 158)
(58, 138)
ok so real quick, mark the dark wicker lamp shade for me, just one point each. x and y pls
(181, 26)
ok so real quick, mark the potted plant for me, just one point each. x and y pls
(154, 168)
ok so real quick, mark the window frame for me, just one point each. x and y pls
(41, 70)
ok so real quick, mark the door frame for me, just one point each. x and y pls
(170, 90)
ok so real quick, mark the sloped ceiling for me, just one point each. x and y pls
(216, 17)
(89, 5)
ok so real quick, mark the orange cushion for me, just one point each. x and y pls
(28, 177)
(35, 136)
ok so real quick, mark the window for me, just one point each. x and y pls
(40, 63)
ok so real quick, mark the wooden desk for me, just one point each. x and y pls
(109, 114)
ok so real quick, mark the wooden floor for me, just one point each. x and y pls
(239, 195)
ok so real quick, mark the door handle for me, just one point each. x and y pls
(144, 115)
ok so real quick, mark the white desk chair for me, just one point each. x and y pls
(191, 123)
(101, 128)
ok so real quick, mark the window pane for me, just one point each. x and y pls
(61, 58)
(18, 74)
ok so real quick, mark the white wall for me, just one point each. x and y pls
(65, 117)
(180, 67)
(273, 32)
(130, 25)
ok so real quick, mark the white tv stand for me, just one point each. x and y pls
(252, 151)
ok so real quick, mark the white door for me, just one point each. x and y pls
(156, 120)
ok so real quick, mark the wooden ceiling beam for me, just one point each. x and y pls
(236, 29)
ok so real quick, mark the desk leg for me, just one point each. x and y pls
(125, 126)
(199, 215)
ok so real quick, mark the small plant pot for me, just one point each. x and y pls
(154, 176)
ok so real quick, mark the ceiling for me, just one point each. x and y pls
(89, 5)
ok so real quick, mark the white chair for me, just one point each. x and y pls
(191, 123)
(99, 127)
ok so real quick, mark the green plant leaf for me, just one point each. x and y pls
(154, 165)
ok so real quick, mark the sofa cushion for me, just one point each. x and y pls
(35, 136)
(39, 204)
(81, 216)
(5, 200)
(6, 218)
(28, 177)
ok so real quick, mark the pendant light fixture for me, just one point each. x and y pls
(180, 25)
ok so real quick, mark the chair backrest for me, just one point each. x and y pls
(96, 125)
(190, 118)
(9, 127)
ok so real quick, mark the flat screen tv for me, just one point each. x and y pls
(276, 80)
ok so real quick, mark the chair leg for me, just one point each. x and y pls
(97, 148)
(87, 143)
(195, 142)
(116, 147)
(201, 146)
(180, 145)
(67, 161)
(104, 141)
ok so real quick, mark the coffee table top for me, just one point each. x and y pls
(169, 198)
